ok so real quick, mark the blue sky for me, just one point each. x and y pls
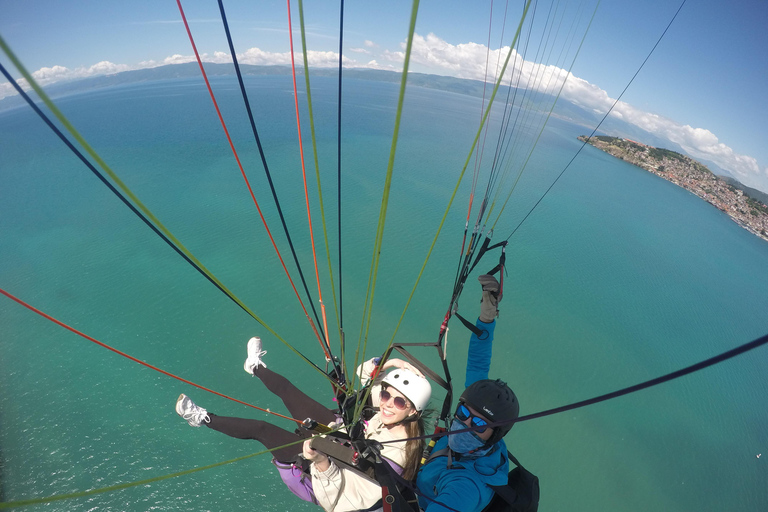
(704, 87)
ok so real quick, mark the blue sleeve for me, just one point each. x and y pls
(463, 498)
(480, 351)
(460, 492)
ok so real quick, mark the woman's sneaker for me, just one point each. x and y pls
(194, 414)
(253, 361)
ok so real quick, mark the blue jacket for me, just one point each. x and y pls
(464, 487)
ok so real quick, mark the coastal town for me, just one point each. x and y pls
(686, 172)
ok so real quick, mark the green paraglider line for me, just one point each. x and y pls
(600, 123)
(541, 131)
(119, 487)
(321, 203)
(155, 222)
(637, 387)
(368, 309)
(268, 175)
(461, 175)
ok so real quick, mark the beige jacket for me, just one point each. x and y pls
(352, 490)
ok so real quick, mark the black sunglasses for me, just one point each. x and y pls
(399, 401)
(463, 413)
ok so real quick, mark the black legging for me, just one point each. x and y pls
(299, 405)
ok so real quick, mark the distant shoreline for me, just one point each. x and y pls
(747, 212)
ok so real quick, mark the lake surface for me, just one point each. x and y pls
(617, 277)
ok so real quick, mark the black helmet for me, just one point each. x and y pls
(494, 400)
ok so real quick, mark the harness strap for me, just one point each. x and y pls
(469, 325)
(498, 268)
(344, 455)
(391, 496)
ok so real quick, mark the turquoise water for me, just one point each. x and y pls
(617, 277)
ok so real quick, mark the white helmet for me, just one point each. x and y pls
(414, 388)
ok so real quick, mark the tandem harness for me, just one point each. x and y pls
(352, 451)
(364, 458)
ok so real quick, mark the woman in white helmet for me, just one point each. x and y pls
(401, 396)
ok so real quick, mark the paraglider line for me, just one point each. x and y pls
(119, 487)
(155, 223)
(338, 161)
(326, 347)
(135, 360)
(269, 177)
(601, 121)
(321, 202)
(712, 361)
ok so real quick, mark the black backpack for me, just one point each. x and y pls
(521, 494)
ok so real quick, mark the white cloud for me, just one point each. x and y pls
(218, 58)
(396, 57)
(259, 57)
(462, 61)
(468, 61)
(320, 59)
(51, 74)
(432, 54)
(177, 59)
(48, 75)
(373, 64)
(6, 89)
(324, 59)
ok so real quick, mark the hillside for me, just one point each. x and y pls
(749, 212)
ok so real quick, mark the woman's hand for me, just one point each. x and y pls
(319, 459)
(403, 365)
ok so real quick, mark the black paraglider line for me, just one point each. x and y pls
(601, 398)
(120, 196)
(266, 167)
(601, 121)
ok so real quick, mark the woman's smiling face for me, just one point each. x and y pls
(389, 413)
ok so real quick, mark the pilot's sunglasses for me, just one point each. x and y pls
(399, 401)
(463, 413)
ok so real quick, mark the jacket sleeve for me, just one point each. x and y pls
(365, 371)
(480, 351)
(460, 493)
(357, 493)
(346, 487)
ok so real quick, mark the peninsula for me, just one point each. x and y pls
(686, 172)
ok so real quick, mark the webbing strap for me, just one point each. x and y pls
(469, 325)
(484, 248)
(418, 364)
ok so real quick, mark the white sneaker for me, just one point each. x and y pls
(194, 414)
(254, 356)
